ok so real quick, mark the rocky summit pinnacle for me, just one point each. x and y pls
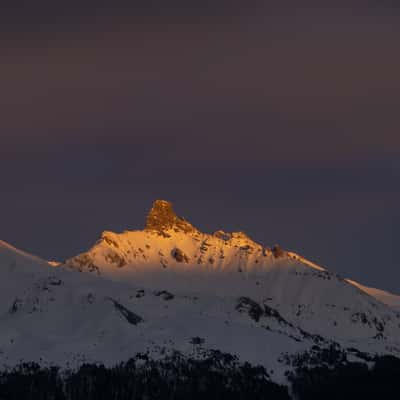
(162, 217)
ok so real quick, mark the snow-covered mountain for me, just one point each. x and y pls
(172, 287)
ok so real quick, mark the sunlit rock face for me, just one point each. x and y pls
(163, 218)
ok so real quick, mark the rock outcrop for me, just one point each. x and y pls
(163, 218)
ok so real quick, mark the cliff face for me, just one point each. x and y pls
(162, 218)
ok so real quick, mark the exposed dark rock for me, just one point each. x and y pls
(17, 304)
(115, 258)
(241, 235)
(277, 251)
(223, 235)
(179, 255)
(266, 251)
(130, 316)
(162, 218)
(250, 306)
(271, 312)
(107, 237)
(204, 247)
(165, 295)
(372, 322)
(257, 311)
(52, 280)
(83, 263)
(90, 298)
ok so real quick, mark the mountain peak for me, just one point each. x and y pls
(162, 217)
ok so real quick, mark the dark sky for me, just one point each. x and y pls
(279, 118)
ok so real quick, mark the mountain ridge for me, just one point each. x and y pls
(164, 222)
(170, 287)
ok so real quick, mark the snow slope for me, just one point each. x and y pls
(62, 317)
(16, 268)
(156, 289)
(387, 298)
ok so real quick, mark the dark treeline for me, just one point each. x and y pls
(219, 376)
(349, 381)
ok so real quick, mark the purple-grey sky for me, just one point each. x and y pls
(271, 117)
